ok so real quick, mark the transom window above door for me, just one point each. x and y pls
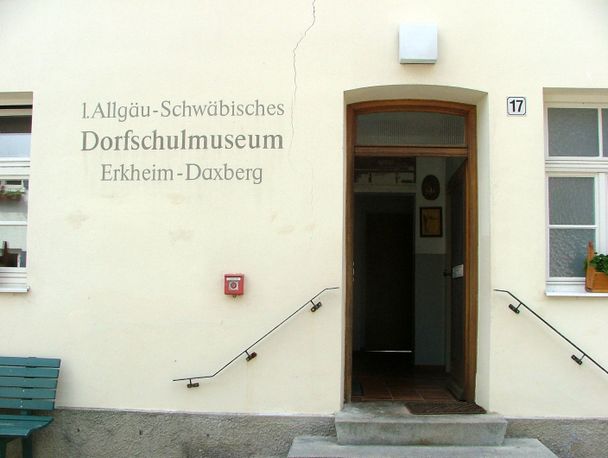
(412, 128)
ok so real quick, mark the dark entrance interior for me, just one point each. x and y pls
(408, 314)
(386, 257)
(383, 358)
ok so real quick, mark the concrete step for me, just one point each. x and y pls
(388, 423)
(317, 447)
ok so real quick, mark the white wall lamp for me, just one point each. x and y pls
(417, 43)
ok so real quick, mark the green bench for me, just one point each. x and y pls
(26, 384)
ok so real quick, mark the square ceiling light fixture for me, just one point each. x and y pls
(417, 43)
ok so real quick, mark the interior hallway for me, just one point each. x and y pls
(392, 377)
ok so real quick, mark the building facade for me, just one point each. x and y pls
(148, 150)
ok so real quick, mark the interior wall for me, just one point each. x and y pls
(430, 262)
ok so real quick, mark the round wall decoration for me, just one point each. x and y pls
(430, 187)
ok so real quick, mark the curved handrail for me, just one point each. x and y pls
(576, 359)
(252, 355)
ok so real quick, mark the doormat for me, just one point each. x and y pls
(443, 408)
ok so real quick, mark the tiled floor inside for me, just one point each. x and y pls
(391, 377)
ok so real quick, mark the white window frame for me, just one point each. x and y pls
(14, 279)
(576, 166)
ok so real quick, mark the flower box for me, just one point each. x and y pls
(595, 282)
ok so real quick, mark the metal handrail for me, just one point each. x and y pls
(250, 356)
(577, 360)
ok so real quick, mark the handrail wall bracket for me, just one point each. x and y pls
(515, 309)
(316, 306)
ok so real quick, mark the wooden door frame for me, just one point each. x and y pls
(469, 152)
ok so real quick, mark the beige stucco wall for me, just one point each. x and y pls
(126, 277)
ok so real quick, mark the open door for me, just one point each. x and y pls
(456, 205)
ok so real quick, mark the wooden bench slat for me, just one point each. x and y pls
(28, 393)
(27, 404)
(25, 418)
(16, 422)
(15, 431)
(31, 362)
(7, 371)
(16, 428)
(28, 382)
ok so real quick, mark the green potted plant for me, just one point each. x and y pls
(596, 278)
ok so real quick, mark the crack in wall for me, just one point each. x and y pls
(295, 69)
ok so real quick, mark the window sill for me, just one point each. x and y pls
(570, 289)
(574, 294)
(13, 280)
(14, 289)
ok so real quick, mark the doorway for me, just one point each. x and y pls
(411, 299)
(384, 253)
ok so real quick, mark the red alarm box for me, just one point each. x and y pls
(234, 284)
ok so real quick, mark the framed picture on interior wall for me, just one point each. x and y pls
(430, 222)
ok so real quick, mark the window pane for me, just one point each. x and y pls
(605, 130)
(410, 128)
(13, 237)
(15, 136)
(568, 249)
(15, 124)
(573, 132)
(13, 200)
(15, 145)
(572, 200)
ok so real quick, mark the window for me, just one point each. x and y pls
(15, 135)
(577, 185)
